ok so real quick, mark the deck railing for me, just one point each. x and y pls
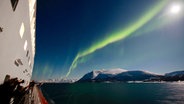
(35, 96)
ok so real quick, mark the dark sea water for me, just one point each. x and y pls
(114, 93)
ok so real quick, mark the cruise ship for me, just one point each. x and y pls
(17, 41)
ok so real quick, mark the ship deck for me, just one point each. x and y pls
(34, 97)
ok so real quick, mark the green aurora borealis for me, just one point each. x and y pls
(116, 36)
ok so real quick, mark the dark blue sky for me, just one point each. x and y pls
(65, 27)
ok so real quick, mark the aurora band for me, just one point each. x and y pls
(116, 36)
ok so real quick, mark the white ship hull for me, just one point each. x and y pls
(17, 38)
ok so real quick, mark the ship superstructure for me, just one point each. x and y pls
(17, 39)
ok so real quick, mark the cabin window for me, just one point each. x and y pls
(14, 4)
(18, 62)
(25, 71)
(25, 45)
(30, 63)
(27, 53)
(22, 30)
(1, 29)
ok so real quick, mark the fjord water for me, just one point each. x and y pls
(114, 93)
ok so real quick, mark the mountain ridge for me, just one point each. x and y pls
(133, 75)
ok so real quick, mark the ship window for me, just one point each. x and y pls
(1, 29)
(27, 53)
(14, 4)
(25, 45)
(21, 31)
(30, 63)
(18, 62)
(25, 71)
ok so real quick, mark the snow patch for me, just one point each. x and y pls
(104, 71)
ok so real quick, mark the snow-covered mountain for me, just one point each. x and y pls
(101, 74)
(175, 73)
(117, 75)
(137, 75)
(174, 76)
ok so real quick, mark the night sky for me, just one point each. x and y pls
(74, 37)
